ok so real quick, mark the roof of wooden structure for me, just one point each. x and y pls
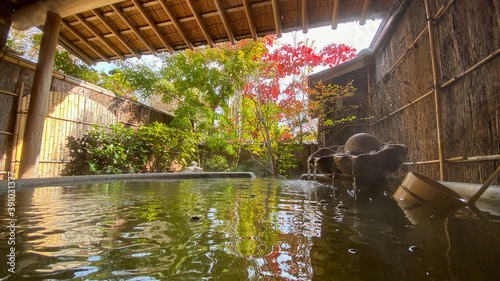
(365, 57)
(105, 30)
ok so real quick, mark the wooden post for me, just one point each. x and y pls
(5, 23)
(39, 98)
(435, 74)
(15, 139)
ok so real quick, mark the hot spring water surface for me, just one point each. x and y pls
(243, 229)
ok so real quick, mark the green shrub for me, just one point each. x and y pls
(116, 149)
(217, 163)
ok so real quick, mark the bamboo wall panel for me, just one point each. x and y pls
(65, 120)
(73, 106)
(465, 34)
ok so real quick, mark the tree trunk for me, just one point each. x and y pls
(267, 141)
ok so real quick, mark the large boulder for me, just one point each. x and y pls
(362, 143)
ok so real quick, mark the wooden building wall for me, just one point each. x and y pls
(467, 36)
(74, 106)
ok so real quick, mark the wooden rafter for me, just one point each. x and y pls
(184, 19)
(277, 18)
(83, 39)
(335, 14)
(96, 34)
(34, 14)
(176, 23)
(74, 50)
(133, 29)
(70, 47)
(305, 19)
(153, 25)
(364, 12)
(200, 23)
(248, 11)
(118, 35)
(225, 21)
(189, 18)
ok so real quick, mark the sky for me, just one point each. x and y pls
(352, 34)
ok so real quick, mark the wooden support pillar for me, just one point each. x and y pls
(5, 23)
(39, 97)
(437, 100)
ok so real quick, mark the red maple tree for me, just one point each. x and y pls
(279, 93)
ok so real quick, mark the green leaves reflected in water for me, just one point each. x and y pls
(190, 229)
(226, 229)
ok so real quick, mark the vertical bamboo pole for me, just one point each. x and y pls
(369, 87)
(39, 97)
(435, 74)
(16, 126)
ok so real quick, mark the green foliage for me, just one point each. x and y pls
(116, 149)
(68, 64)
(216, 163)
(327, 104)
(218, 144)
(283, 151)
(27, 44)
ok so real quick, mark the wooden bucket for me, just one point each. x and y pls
(424, 199)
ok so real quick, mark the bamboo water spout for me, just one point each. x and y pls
(363, 157)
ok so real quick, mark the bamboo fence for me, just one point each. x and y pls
(73, 107)
(434, 87)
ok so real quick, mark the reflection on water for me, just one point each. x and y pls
(240, 230)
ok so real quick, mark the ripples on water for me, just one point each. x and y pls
(240, 230)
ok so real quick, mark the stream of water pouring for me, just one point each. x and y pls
(308, 170)
(315, 168)
(334, 167)
(354, 183)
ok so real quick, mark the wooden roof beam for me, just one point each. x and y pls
(200, 23)
(176, 23)
(133, 29)
(118, 35)
(305, 18)
(225, 21)
(70, 47)
(83, 39)
(185, 19)
(335, 14)
(277, 18)
(34, 14)
(96, 34)
(153, 25)
(364, 12)
(248, 11)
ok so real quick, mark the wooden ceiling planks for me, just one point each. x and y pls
(176, 23)
(201, 24)
(118, 35)
(277, 18)
(305, 18)
(335, 14)
(249, 15)
(136, 27)
(153, 25)
(134, 30)
(84, 40)
(223, 16)
(99, 36)
(364, 12)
